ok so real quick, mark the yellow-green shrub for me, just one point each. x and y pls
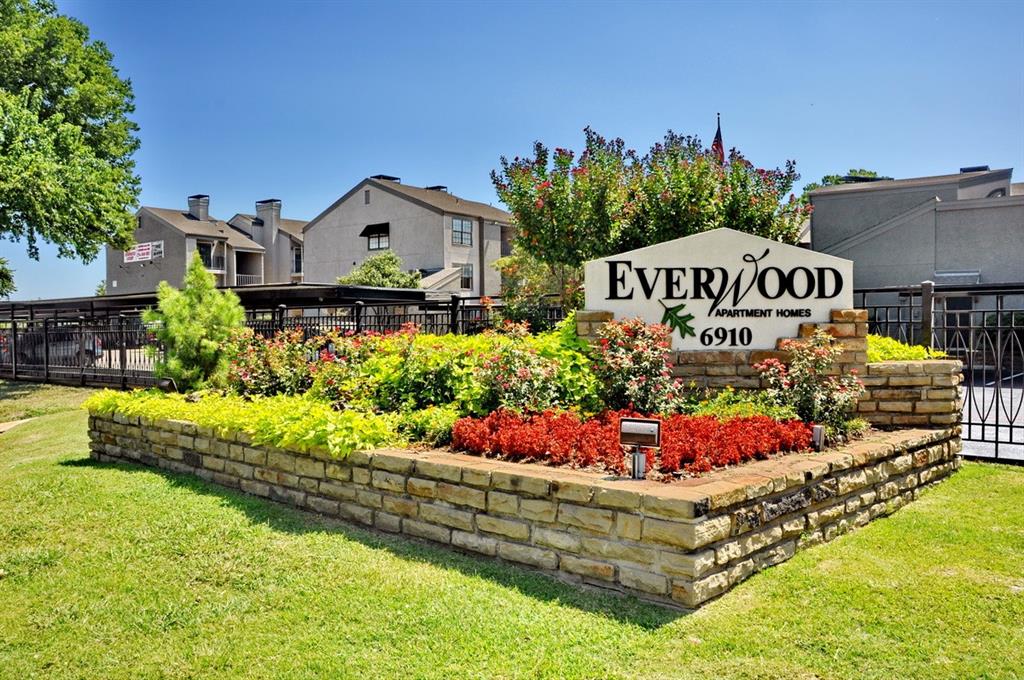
(882, 348)
(287, 421)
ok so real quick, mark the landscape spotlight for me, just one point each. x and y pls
(167, 385)
(636, 433)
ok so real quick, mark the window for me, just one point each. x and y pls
(366, 197)
(377, 236)
(205, 253)
(462, 231)
(296, 260)
(466, 282)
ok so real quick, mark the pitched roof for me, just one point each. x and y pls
(292, 227)
(442, 200)
(433, 199)
(212, 228)
(956, 178)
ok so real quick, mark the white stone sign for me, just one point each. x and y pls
(721, 289)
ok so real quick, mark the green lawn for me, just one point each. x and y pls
(115, 571)
(20, 400)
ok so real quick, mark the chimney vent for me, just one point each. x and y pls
(389, 178)
(974, 168)
(199, 206)
(268, 214)
(438, 187)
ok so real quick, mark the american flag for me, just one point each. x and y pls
(716, 146)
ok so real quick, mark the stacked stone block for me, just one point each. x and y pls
(902, 393)
(680, 544)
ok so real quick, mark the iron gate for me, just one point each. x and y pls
(982, 326)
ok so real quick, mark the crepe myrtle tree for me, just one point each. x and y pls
(66, 141)
(570, 208)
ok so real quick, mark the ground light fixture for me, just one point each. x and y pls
(167, 385)
(636, 434)
(818, 437)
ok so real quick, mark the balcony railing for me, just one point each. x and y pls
(248, 279)
(213, 262)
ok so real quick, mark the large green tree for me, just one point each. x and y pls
(66, 141)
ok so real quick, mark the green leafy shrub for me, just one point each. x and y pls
(193, 324)
(432, 425)
(882, 348)
(383, 271)
(268, 366)
(519, 379)
(285, 421)
(730, 403)
(806, 386)
(632, 365)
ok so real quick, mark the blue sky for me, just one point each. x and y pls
(298, 101)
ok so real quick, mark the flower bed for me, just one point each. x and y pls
(692, 444)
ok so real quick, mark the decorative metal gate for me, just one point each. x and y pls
(982, 326)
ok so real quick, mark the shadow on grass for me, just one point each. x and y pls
(535, 584)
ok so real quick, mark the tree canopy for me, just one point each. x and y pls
(193, 324)
(831, 180)
(383, 271)
(66, 141)
(569, 208)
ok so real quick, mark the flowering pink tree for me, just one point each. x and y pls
(571, 208)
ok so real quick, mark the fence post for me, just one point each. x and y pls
(357, 310)
(453, 321)
(81, 349)
(280, 317)
(46, 350)
(927, 312)
(122, 350)
(14, 348)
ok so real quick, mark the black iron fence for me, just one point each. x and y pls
(982, 326)
(121, 351)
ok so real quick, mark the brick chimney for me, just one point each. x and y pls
(268, 214)
(199, 206)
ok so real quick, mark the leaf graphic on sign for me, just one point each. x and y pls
(677, 321)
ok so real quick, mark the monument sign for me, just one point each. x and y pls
(721, 289)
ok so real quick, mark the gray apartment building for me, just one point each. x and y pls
(261, 248)
(960, 228)
(452, 241)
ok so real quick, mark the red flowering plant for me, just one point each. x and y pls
(518, 378)
(810, 386)
(337, 371)
(690, 444)
(632, 362)
(268, 366)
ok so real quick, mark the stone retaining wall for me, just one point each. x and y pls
(681, 544)
(901, 393)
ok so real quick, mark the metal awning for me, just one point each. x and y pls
(375, 229)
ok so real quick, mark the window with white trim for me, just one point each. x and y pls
(462, 231)
(466, 281)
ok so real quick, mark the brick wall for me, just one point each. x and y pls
(902, 393)
(679, 544)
